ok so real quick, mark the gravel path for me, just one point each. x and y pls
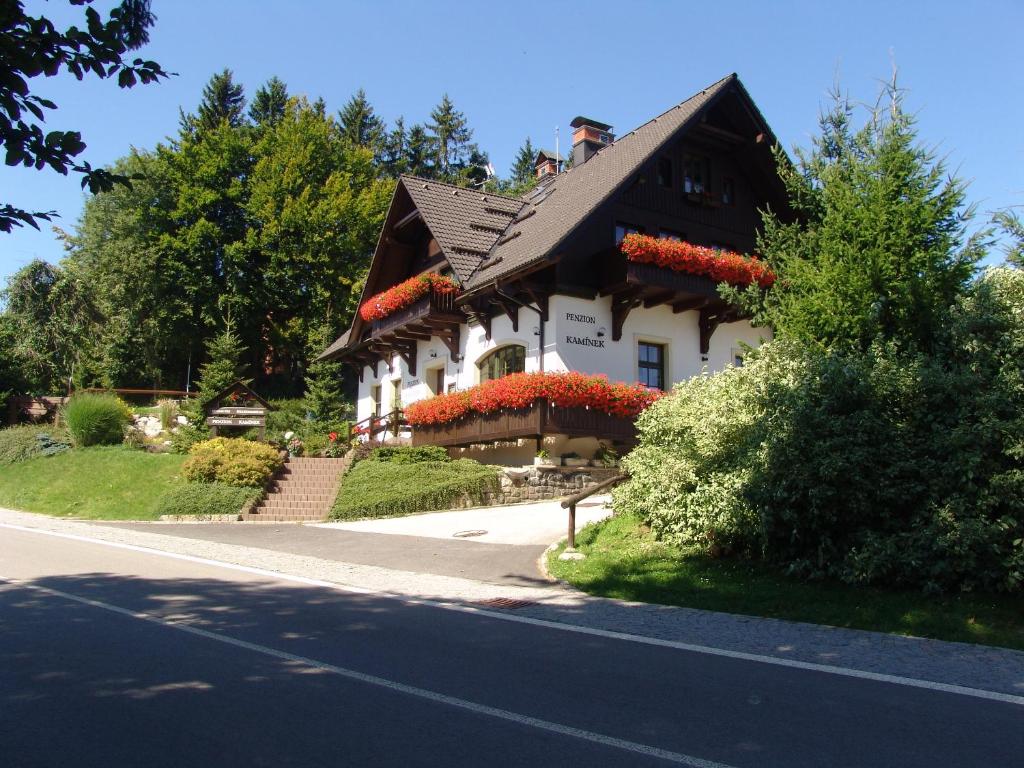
(992, 669)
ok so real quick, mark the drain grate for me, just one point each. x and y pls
(506, 602)
(468, 534)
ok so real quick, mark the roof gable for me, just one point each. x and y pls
(465, 222)
(558, 208)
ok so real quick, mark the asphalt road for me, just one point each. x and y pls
(113, 657)
(513, 564)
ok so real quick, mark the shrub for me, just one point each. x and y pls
(187, 435)
(401, 454)
(27, 442)
(96, 418)
(881, 467)
(235, 462)
(204, 499)
(386, 488)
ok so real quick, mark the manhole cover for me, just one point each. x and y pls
(505, 602)
(468, 534)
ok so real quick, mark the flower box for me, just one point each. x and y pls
(720, 265)
(405, 294)
(521, 390)
(547, 461)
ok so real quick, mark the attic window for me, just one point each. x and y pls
(696, 175)
(622, 229)
(665, 172)
(728, 191)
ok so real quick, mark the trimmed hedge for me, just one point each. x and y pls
(389, 489)
(94, 418)
(401, 454)
(233, 461)
(204, 499)
(27, 442)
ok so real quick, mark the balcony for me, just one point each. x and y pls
(542, 418)
(632, 284)
(433, 315)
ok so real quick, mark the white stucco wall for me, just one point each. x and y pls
(578, 337)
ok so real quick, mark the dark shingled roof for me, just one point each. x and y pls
(339, 344)
(486, 237)
(465, 222)
(572, 196)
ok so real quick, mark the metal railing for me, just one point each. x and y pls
(571, 502)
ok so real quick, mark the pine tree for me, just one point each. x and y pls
(223, 101)
(451, 137)
(523, 171)
(1010, 222)
(324, 394)
(269, 103)
(360, 125)
(395, 157)
(877, 250)
(420, 152)
(223, 366)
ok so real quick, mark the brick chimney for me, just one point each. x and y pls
(588, 137)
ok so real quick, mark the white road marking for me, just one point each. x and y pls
(410, 690)
(879, 677)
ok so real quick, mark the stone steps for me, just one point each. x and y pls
(303, 491)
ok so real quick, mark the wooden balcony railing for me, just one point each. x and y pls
(542, 418)
(433, 304)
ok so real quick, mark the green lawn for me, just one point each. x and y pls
(100, 483)
(624, 561)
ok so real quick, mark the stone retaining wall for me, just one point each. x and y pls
(528, 484)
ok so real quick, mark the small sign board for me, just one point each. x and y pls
(237, 406)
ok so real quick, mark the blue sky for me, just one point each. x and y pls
(521, 69)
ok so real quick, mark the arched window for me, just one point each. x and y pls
(502, 362)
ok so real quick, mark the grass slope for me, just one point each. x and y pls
(624, 561)
(389, 489)
(99, 483)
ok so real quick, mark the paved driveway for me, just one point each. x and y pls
(522, 524)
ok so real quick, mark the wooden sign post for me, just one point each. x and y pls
(238, 406)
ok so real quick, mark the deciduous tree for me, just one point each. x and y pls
(33, 46)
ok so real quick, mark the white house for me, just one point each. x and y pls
(541, 283)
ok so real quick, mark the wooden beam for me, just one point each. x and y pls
(661, 297)
(408, 353)
(707, 323)
(687, 304)
(622, 305)
(412, 334)
(408, 219)
(511, 310)
(451, 340)
(540, 297)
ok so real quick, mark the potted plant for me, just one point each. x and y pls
(295, 447)
(606, 457)
(573, 459)
(545, 459)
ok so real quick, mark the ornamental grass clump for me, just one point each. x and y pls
(232, 461)
(96, 419)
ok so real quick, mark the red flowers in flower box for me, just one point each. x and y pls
(521, 390)
(720, 265)
(402, 295)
